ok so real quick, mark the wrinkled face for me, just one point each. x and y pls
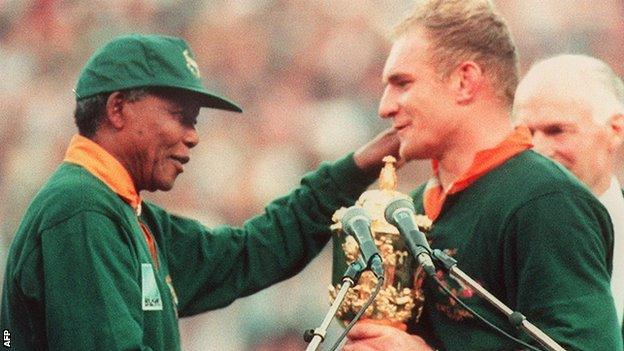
(417, 100)
(566, 132)
(161, 131)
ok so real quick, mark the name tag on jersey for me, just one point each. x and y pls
(150, 298)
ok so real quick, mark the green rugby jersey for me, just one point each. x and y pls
(538, 240)
(80, 275)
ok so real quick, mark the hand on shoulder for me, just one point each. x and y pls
(369, 156)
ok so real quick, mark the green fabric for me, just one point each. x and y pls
(539, 241)
(73, 279)
(135, 61)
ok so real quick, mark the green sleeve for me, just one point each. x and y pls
(559, 264)
(92, 294)
(211, 268)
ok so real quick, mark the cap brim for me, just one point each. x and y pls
(205, 98)
(210, 100)
(214, 101)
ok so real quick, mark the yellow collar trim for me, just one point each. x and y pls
(99, 162)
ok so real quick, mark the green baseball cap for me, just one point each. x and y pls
(137, 61)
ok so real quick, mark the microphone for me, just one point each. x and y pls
(356, 222)
(399, 213)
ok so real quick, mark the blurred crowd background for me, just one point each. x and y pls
(307, 74)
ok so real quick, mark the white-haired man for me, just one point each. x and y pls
(574, 107)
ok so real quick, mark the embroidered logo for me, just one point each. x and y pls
(450, 307)
(191, 64)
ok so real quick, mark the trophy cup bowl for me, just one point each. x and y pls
(400, 299)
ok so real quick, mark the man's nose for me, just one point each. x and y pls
(388, 106)
(191, 137)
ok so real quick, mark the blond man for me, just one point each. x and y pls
(517, 223)
(574, 107)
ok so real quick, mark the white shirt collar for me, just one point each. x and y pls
(613, 195)
(613, 200)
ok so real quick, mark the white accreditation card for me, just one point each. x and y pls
(150, 298)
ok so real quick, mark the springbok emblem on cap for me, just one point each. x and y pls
(191, 64)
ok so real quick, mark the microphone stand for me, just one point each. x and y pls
(351, 275)
(515, 318)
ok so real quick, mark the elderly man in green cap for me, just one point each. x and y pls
(93, 266)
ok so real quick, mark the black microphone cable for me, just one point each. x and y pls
(451, 295)
(370, 300)
(481, 318)
(398, 213)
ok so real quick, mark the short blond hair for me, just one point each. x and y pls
(462, 30)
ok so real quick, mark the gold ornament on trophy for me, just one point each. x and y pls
(401, 298)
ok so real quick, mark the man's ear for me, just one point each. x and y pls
(115, 109)
(468, 79)
(616, 126)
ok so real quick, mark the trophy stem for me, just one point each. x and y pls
(400, 297)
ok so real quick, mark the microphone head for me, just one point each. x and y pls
(396, 204)
(352, 213)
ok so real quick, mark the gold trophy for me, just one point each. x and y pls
(400, 299)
